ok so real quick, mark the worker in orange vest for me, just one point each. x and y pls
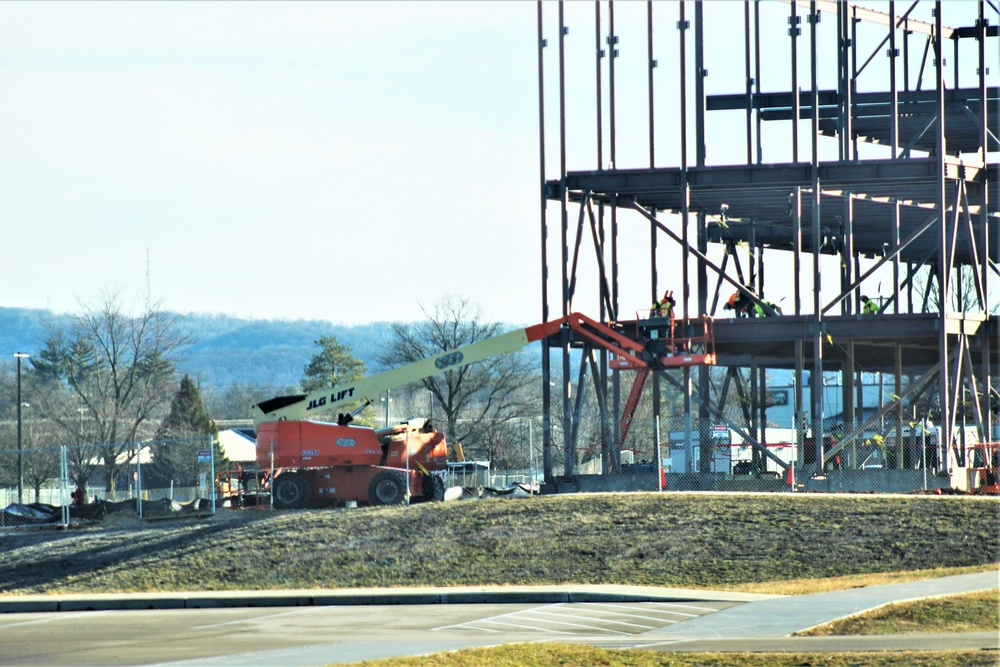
(742, 306)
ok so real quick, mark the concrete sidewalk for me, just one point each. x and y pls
(783, 616)
(760, 616)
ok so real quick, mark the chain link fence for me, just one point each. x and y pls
(677, 454)
(161, 479)
(148, 480)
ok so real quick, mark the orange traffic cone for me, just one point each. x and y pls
(790, 479)
(663, 478)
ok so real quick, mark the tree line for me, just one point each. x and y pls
(106, 382)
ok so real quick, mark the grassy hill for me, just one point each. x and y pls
(685, 540)
(225, 349)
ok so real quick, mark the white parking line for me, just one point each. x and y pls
(526, 627)
(471, 626)
(616, 613)
(260, 618)
(575, 625)
(685, 606)
(486, 620)
(596, 614)
(605, 620)
(60, 617)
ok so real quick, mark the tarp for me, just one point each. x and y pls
(34, 514)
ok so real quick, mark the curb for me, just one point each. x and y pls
(216, 600)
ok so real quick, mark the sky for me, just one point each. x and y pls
(342, 161)
(323, 160)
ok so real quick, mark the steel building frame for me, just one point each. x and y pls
(930, 205)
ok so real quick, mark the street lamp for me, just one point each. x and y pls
(20, 460)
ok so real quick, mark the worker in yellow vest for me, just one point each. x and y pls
(868, 306)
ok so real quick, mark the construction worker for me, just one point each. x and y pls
(664, 307)
(760, 309)
(742, 306)
(868, 306)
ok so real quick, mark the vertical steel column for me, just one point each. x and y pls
(757, 72)
(847, 257)
(653, 276)
(616, 384)
(910, 270)
(704, 377)
(897, 389)
(699, 83)
(906, 57)
(762, 383)
(800, 431)
(817, 373)
(895, 260)
(654, 287)
(847, 391)
(546, 369)
(793, 32)
(607, 429)
(749, 79)
(682, 26)
(650, 67)
(852, 88)
(844, 84)
(598, 56)
(755, 398)
(987, 250)
(797, 250)
(943, 263)
(569, 454)
(893, 96)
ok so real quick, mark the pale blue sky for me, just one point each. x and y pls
(344, 161)
(339, 161)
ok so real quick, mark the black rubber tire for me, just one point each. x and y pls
(387, 488)
(433, 488)
(291, 491)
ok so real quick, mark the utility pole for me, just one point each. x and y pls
(20, 457)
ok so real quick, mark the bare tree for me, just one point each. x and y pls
(473, 398)
(117, 363)
(963, 292)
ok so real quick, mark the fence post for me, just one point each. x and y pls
(64, 484)
(659, 455)
(211, 479)
(138, 479)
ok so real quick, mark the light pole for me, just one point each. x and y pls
(20, 459)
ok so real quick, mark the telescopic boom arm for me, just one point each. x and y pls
(366, 390)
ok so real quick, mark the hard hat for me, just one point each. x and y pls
(864, 298)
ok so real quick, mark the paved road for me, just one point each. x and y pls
(332, 627)
(316, 635)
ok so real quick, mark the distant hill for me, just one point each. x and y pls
(226, 349)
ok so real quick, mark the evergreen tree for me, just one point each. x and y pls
(334, 364)
(181, 434)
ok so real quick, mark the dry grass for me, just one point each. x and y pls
(572, 655)
(971, 612)
(806, 586)
(683, 540)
